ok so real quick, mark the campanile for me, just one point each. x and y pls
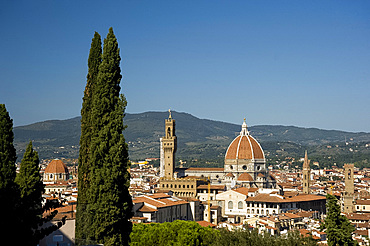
(169, 145)
(306, 175)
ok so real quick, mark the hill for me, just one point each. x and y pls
(197, 138)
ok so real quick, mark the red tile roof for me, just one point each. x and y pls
(56, 166)
(245, 177)
(147, 209)
(244, 147)
(206, 223)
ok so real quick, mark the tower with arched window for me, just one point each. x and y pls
(169, 145)
(306, 172)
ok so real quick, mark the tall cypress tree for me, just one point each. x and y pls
(337, 227)
(83, 216)
(7, 154)
(31, 190)
(9, 195)
(111, 200)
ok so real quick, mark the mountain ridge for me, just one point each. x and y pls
(198, 138)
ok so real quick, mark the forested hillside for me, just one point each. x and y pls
(199, 139)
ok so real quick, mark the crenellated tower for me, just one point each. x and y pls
(169, 145)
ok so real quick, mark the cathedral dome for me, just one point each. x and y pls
(56, 166)
(245, 147)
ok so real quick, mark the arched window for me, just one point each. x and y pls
(248, 211)
(240, 205)
(230, 205)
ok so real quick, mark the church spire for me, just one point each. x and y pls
(306, 162)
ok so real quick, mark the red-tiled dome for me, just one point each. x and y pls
(245, 177)
(244, 146)
(56, 166)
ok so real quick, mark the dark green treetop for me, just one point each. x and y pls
(31, 189)
(9, 193)
(83, 216)
(108, 201)
(8, 154)
(337, 227)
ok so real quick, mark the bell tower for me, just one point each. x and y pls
(306, 175)
(349, 188)
(169, 145)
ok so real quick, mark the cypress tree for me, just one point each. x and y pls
(110, 181)
(337, 227)
(83, 216)
(7, 153)
(9, 195)
(31, 190)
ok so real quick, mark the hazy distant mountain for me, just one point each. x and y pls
(197, 138)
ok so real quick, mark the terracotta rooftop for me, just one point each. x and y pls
(56, 166)
(244, 147)
(230, 175)
(157, 203)
(280, 199)
(362, 202)
(205, 223)
(245, 177)
(147, 209)
(356, 216)
(244, 190)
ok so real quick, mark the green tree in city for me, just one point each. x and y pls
(21, 195)
(83, 216)
(178, 232)
(32, 224)
(31, 189)
(337, 227)
(109, 201)
(9, 193)
(253, 237)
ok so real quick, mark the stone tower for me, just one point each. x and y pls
(306, 174)
(349, 188)
(169, 145)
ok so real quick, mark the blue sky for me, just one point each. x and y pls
(302, 63)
